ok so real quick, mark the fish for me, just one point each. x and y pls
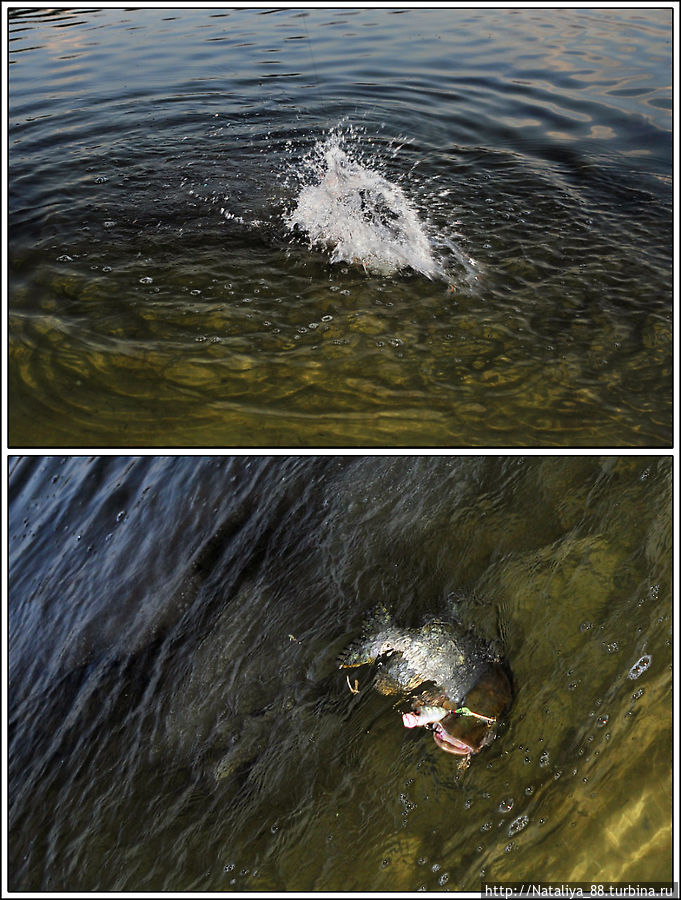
(458, 685)
(424, 715)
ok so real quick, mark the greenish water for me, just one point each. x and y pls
(159, 297)
(177, 719)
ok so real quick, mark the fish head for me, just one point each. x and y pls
(466, 733)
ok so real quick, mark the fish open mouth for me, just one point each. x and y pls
(469, 728)
(451, 744)
(462, 735)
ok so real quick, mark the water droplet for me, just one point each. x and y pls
(602, 720)
(120, 516)
(505, 805)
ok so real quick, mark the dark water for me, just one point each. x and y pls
(177, 719)
(157, 297)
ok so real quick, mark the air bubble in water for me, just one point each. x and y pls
(518, 825)
(640, 666)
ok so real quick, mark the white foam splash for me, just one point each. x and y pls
(360, 216)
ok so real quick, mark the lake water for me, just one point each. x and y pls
(340, 227)
(177, 719)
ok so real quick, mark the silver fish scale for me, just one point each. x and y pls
(437, 652)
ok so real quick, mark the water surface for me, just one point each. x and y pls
(160, 295)
(177, 719)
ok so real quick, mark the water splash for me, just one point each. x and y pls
(348, 207)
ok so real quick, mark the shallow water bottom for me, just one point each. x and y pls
(303, 353)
